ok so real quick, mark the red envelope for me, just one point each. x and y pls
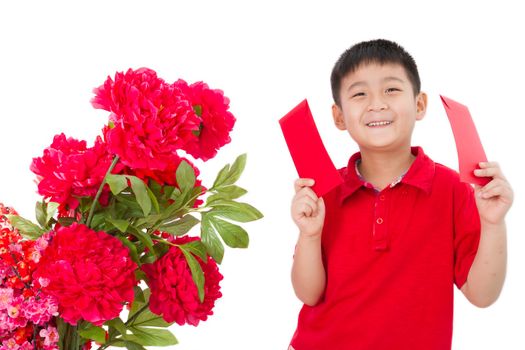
(307, 150)
(468, 144)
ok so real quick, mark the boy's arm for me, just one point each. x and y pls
(487, 273)
(308, 273)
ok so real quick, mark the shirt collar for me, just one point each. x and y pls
(420, 174)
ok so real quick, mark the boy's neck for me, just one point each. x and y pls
(382, 168)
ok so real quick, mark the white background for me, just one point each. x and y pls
(267, 56)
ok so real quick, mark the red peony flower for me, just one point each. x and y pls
(150, 119)
(68, 170)
(216, 121)
(90, 273)
(174, 295)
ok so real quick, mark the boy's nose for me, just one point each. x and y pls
(377, 104)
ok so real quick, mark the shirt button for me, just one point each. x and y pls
(379, 221)
(382, 197)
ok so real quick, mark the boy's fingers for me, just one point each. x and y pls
(496, 187)
(488, 172)
(300, 183)
(308, 192)
(484, 165)
(489, 169)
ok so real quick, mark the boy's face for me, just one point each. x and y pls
(378, 107)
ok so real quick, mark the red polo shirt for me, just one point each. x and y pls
(392, 258)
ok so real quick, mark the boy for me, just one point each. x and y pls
(377, 257)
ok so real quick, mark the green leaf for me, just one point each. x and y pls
(180, 226)
(230, 192)
(95, 333)
(140, 275)
(221, 176)
(211, 241)
(141, 194)
(117, 183)
(237, 211)
(185, 176)
(161, 248)
(149, 221)
(148, 319)
(137, 305)
(196, 273)
(132, 248)
(138, 294)
(153, 199)
(52, 208)
(118, 324)
(98, 222)
(145, 238)
(148, 258)
(175, 193)
(229, 175)
(168, 191)
(196, 248)
(65, 221)
(133, 346)
(195, 193)
(121, 225)
(155, 187)
(234, 236)
(236, 170)
(45, 212)
(40, 213)
(151, 336)
(26, 227)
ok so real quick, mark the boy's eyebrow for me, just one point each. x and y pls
(386, 79)
(394, 78)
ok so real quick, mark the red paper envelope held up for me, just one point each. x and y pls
(468, 144)
(307, 150)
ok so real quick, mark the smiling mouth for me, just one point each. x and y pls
(379, 123)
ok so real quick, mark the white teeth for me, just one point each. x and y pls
(379, 123)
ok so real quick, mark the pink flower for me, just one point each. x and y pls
(6, 295)
(173, 292)
(215, 119)
(68, 170)
(50, 335)
(90, 273)
(40, 310)
(150, 120)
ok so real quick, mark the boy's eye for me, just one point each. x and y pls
(393, 89)
(357, 94)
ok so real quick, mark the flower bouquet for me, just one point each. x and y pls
(111, 233)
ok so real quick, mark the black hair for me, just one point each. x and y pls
(374, 51)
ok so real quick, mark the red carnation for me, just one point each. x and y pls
(150, 119)
(174, 295)
(68, 170)
(216, 121)
(90, 273)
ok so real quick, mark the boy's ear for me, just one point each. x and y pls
(337, 114)
(421, 105)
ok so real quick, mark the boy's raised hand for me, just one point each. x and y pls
(495, 198)
(308, 210)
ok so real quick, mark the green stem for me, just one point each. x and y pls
(72, 339)
(137, 314)
(99, 192)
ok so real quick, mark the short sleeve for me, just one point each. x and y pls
(466, 231)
